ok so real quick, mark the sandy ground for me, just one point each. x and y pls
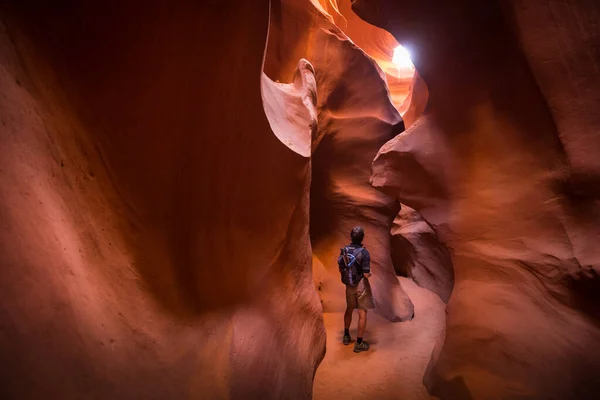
(393, 368)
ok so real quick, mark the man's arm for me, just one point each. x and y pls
(366, 263)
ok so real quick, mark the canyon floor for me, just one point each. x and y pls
(393, 368)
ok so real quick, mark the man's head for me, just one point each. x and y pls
(357, 234)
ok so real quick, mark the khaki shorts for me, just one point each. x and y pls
(360, 296)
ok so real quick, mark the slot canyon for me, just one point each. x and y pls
(178, 177)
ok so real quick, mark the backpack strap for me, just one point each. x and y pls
(345, 257)
(357, 253)
(354, 255)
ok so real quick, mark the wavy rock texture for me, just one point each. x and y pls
(379, 45)
(504, 173)
(417, 253)
(154, 235)
(355, 118)
(292, 108)
(414, 104)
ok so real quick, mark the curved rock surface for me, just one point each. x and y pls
(413, 105)
(379, 45)
(499, 176)
(355, 118)
(154, 235)
(291, 108)
(154, 208)
(417, 253)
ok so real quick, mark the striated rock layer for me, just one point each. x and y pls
(154, 235)
(355, 118)
(418, 253)
(503, 166)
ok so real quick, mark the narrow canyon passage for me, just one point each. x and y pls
(177, 179)
(395, 365)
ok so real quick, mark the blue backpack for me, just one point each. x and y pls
(350, 268)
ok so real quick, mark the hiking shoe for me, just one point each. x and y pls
(346, 340)
(364, 346)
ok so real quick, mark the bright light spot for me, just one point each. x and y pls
(402, 58)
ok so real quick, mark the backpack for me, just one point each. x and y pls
(350, 268)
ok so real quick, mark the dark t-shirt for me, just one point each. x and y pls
(363, 258)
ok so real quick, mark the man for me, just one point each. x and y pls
(355, 267)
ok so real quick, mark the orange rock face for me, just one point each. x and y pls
(177, 179)
(356, 116)
(495, 168)
(418, 253)
(154, 229)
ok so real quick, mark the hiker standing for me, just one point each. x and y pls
(355, 267)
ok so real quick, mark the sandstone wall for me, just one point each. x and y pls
(355, 117)
(495, 167)
(154, 230)
(418, 253)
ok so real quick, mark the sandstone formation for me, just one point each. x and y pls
(379, 45)
(417, 253)
(177, 179)
(291, 108)
(331, 292)
(154, 237)
(502, 165)
(413, 105)
(355, 118)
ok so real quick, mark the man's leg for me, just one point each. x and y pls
(362, 323)
(360, 344)
(348, 318)
(351, 304)
(347, 322)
